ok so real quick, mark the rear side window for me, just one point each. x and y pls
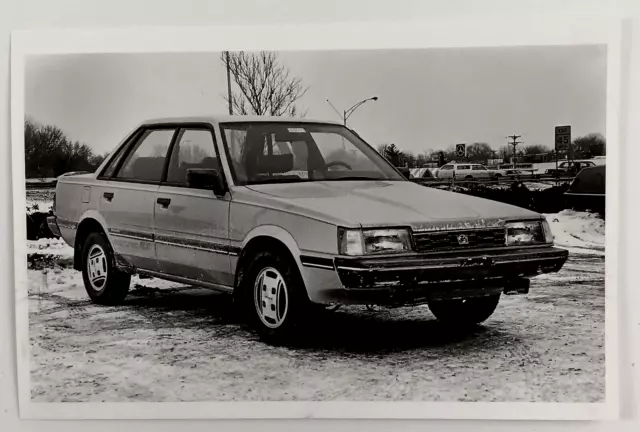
(464, 167)
(478, 168)
(194, 149)
(146, 160)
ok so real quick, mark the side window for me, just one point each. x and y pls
(193, 149)
(120, 152)
(478, 168)
(464, 167)
(146, 160)
(447, 167)
(108, 172)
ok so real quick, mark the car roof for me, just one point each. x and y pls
(232, 119)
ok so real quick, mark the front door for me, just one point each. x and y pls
(191, 225)
(127, 199)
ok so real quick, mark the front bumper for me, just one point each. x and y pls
(426, 277)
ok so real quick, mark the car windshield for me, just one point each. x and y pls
(279, 152)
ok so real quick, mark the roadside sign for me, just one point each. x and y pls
(563, 137)
(460, 150)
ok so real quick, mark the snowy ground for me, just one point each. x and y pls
(174, 343)
(39, 200)
(579, 232)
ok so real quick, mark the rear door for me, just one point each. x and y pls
(192, 225)
(462, 171)
(127, 198)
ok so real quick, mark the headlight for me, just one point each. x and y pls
(528, 233)
(373, 241)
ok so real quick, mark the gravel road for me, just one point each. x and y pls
(175, 343)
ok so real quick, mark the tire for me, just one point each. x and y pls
(104, 283)
(464, 313)
(274, 300)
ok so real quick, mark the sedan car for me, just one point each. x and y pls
(288, 216)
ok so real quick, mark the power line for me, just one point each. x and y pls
(514, 142)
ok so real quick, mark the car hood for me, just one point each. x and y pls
(376, 203)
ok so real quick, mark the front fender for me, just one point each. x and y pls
(278, 233)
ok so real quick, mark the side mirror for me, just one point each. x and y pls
(206, 178)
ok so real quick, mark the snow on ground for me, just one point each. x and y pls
(39, 200)
(538, 186)
(181, 344)
(580, 232)
(49, 247)
(172, 342)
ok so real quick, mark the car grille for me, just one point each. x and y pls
(459, 239)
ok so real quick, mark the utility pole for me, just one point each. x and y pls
(229, 84)
(514, 142)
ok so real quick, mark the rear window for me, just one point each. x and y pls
(447, 167)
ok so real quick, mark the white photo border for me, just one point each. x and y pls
(551, 31)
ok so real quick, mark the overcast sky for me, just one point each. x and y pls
(428, 99)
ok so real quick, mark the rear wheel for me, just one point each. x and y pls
(464, 312)
(275, 299)
(104, 283)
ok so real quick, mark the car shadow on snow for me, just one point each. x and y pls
(357, 330)
(352, 329)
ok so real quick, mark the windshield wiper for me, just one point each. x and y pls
(276, 180)
(353, 178)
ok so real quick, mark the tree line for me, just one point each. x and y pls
(50, 153)
(583, 147)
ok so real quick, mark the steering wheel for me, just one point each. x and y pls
(337, 163)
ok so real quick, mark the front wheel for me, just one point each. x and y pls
(102, 280)
(275, 297)
(464, 312)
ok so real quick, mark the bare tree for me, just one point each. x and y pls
(479, 152)
(589, 145)
(382, 149)
(266, 87)
(393, 154)
(535, 149)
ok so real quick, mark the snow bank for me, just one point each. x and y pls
(39, 200)
(580, 232)
(49, 247)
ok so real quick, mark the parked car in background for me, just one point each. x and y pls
(287, 216)
(466, 171)
(422, 174)
(588, 190)
(569, 169)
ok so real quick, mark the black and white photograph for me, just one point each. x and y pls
(335, 225)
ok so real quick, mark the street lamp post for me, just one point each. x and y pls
(347, 113)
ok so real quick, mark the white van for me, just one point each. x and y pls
(464, 171)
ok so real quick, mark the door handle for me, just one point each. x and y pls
(108, 196)
(164, 202)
